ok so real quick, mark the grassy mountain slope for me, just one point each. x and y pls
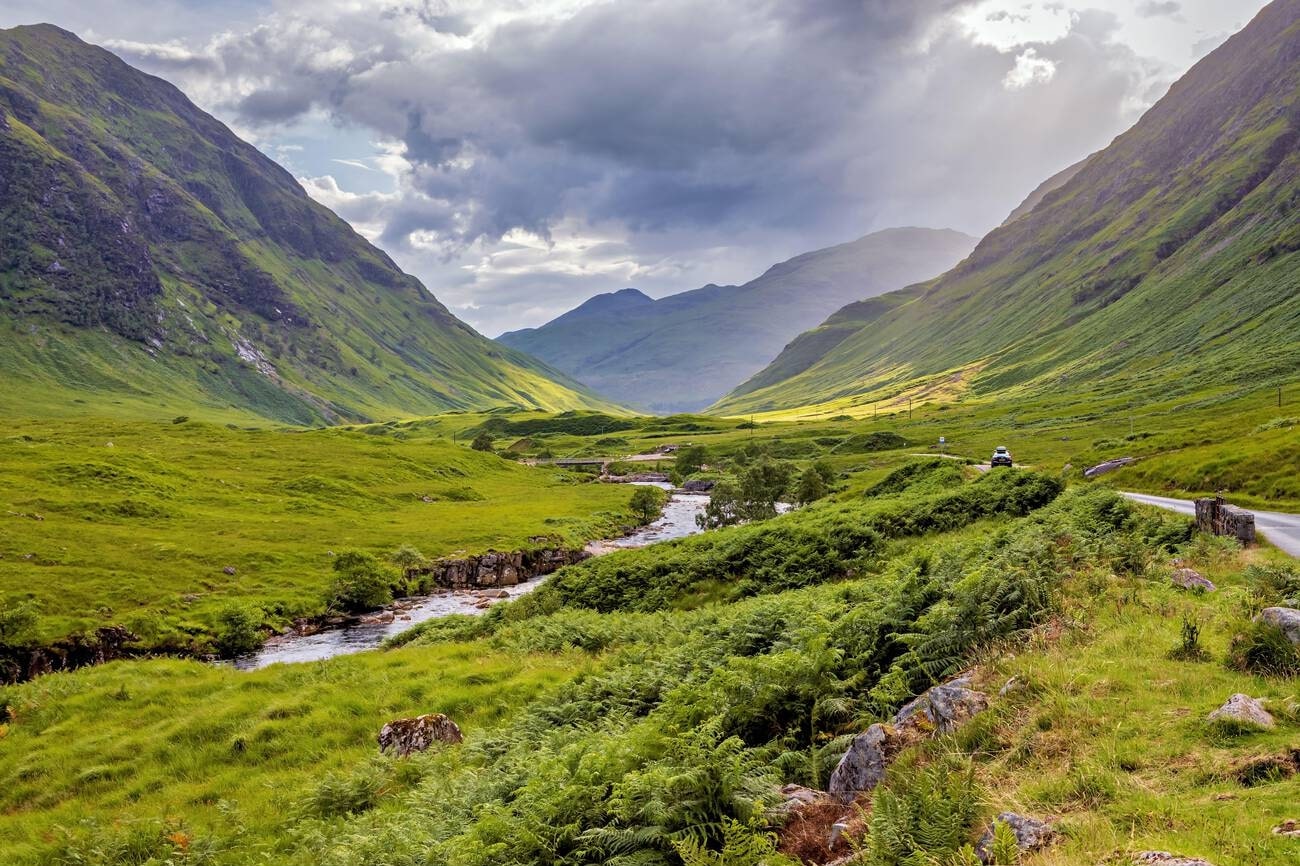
(151, 259)
(1167, 264)
(682, 352)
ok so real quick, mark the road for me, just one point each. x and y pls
(1283, 530)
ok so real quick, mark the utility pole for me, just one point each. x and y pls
(909, 408)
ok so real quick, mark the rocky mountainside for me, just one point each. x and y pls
(152, 261)
(1166, 263)
(682, 352)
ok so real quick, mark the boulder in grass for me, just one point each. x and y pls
(1164, 858)
(403, 737)
(1285, 618)
(943, 707)
(1244, 710)
(1031, 835)
(864, 765)
(1190, 578)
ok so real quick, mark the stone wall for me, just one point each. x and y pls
(1219, 518)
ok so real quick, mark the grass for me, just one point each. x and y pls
(135, 523)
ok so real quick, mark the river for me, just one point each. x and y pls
(677, 521)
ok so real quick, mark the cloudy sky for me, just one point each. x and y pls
(521, 156)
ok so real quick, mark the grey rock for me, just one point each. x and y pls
(864, 765)
(1108, 467)
(1031, 834)
(229, 569)
(943, 707)
(1189, 578)
(403, 737)
(1285, 618)
(1244, 709)
(698, 486)
(1166, 859)
(797, 797)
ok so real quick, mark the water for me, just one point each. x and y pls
(677, 521)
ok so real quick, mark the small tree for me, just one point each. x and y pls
(238, 631)
(724, 508)
(811, 487)
(762, 485)
(408, 559)
(360, 583)
(689, 461)
(483, 442)
(647, 502)
(826, 471)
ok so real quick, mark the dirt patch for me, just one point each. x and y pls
(1268, 769)
(808, 830)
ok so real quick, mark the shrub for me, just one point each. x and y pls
(483, 442)
(360, 583)
(18, 623)
(349, 793)
(811, 487)
(647, 502)
(688, 461)
(1264, 649)
(863, 443)
(922, 810)
(408, 558)
(1189, 647)
(742, 845)
(237, 631)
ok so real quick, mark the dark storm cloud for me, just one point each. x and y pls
(694, 128)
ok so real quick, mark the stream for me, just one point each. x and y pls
(677, 521)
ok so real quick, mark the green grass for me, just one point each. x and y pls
(120, 522)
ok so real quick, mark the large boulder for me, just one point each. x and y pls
(942, 708)
(1285, 618)
(405, 736)
(1031, 835)
(864, 765)
(1244, 710)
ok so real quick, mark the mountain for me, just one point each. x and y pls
(152, 261)
(682, 352)
(1166, 264)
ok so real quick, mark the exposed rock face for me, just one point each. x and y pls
(1191, 579)
(405, 736)
(1108, 467)
(1245, 710)
(498, 569)
(864, 765)
(1289, 828)
(1164, 858)
(943, 707)
(76, 651)
(1285, 618)
(1031, 835)
(701, 485)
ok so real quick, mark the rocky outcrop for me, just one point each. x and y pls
(943, 708)
(1031, 835)
(18, 664)
(1188, 578)
(496, 569)
(864, 765)
(403, 737)
(937, 711)
(1285, 618)
(699, 485)
(1244, 710)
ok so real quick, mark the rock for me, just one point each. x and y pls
(1108, 467)
(1031, 835)
(1285, 618)
(229, 569)
(404, 736)
(1245, 710)
(1290, 827)
(1189, 578)
(1167, 859)
(863, 766)
(698, 486)
(943, 707)
(500, 594)
(796, 797)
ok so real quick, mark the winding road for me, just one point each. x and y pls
(1283, 530)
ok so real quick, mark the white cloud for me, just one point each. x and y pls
(1029, 69)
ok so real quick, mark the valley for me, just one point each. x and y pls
(297, 567)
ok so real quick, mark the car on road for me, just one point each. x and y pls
(1001, 457)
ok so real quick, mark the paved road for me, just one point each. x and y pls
(1283, 530)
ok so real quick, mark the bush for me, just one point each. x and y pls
(483, 442)
(647, 502)
(238, 631)
(865, 443)
(1189, 647)
(688, 461)
(18, 623)
(922, 811)
(1260, 648)
(811, 487)
(361, 583)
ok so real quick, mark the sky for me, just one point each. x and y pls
(519, 157)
